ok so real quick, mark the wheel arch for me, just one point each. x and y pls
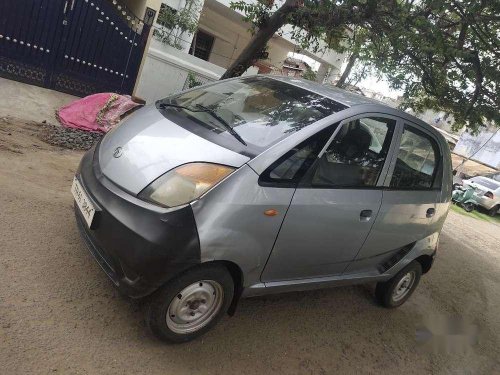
(237, 276)
(426, 262)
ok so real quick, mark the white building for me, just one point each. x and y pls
(221, 36)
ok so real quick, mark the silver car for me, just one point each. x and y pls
(261, 185)
(487, 193)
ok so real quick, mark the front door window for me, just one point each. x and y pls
(357, 154)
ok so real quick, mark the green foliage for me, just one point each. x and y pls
(175, 22)
(192, 81)
(443, 54)
(309, 74)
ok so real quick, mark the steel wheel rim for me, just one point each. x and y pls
(404, 286)
(195, 306)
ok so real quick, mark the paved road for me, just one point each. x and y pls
(59, 313)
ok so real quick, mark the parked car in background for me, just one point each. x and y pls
(487, 193)
(261, 185)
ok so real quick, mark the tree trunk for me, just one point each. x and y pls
(260, 39)
(347, 70)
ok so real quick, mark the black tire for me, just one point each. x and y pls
(469, 207)
(493, 211)
(156, 315)
(385, 290)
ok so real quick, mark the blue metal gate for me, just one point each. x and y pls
(75, 46)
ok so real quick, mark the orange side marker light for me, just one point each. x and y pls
(270, 212)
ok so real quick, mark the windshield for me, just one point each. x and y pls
(262, 111)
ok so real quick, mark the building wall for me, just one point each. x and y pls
(166, 69)
(230, 38)
(138, 7)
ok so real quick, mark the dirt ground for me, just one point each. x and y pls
(60, 314)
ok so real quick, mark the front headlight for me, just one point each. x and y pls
(184, 184)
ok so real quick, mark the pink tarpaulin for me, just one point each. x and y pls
(97, 113)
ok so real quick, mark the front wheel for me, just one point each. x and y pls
(469, 207)
(396, 291)
(191, 304)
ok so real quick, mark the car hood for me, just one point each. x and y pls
(146, 145)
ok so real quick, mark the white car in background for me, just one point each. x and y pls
(487, 193)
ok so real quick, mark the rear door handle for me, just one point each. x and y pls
(365, 215)
(430, 212)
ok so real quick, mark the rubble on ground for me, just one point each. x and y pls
(73, 139)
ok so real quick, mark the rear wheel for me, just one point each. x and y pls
(396, 291)
(191, 304)
(493, 210)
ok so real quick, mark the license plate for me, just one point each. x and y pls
(83, 202)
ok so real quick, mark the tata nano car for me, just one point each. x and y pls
(261, 185)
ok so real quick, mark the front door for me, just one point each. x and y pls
(335, 204)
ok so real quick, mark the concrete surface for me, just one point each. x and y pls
(29, 102)
(60, 314)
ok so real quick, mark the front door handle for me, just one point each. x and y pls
(430, 212)
(365, 215)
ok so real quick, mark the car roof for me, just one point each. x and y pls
(352, 100)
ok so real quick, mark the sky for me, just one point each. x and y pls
(380, 86)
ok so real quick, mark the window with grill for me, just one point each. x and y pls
(202, 45)
(167, 16)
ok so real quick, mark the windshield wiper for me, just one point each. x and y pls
(202, 108)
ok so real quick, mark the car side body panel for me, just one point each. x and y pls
(322, 233)
(245, 236)
(232, 224)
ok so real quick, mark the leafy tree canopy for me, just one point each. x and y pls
(443, 54)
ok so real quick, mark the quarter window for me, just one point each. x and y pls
(356, 155)
(417, 159)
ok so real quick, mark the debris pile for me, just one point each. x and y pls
(73, 139)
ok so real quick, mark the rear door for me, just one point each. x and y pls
(335, 204)
(410, 193)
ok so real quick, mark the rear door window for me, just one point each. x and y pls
(417, 161)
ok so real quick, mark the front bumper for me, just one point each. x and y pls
(139, 246)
